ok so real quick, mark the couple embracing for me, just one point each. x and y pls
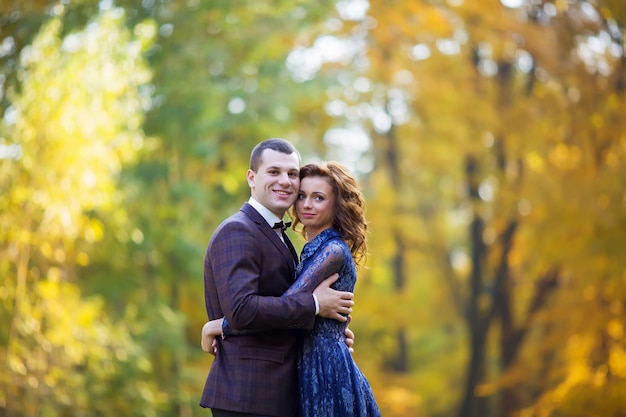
(277, 329)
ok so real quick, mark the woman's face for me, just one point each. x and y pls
(314, 205)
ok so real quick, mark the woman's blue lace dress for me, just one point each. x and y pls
(331, 384)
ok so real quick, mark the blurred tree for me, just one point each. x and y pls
(492, 123)
(488, 139)
(74, 120)
(220, 86)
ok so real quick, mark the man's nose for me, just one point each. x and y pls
(284, 178)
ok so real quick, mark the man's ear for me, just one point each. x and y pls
(250, 177)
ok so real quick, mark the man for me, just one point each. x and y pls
(248, 265)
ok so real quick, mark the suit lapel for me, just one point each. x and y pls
(286, 249)
(291, 248)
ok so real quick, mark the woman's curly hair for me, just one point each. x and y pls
(349, 211)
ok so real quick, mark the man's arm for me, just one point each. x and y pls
(349, 336)
(329, 297)
(245, 275)
(333, 304)
(213, 329)
(336, 303)
(319, 275)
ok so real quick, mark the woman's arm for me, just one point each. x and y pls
(323, 264)
(210, 331)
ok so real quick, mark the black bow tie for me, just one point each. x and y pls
(281, 225)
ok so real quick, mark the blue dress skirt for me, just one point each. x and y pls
(330, 382)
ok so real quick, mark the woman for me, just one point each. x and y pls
(330, 208)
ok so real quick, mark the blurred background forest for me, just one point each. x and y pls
(489, 137)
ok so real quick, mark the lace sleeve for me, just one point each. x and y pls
(323, 263)
(229, 331)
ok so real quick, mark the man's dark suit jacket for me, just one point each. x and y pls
(246, 269)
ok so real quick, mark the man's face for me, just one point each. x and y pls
(275, 184)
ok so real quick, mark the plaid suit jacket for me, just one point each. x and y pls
(246, 269)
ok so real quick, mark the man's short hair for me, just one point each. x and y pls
(275, 144)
